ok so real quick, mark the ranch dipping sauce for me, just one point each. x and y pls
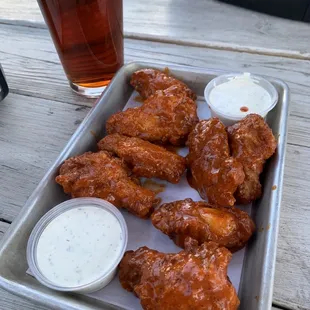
(80, 247)
(231, 97)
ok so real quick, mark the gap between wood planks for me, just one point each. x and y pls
(5, 221)
(185, 42)
(221, 46)
(281, 307)
(78, 105)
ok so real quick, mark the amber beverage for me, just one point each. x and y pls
(88, 35)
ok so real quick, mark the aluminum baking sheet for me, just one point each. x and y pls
(255, 289)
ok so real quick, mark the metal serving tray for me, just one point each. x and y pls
(256, 286)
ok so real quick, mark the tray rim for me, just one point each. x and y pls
(18, 289)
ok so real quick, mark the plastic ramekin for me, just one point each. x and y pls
(104, 278)
(228, 119)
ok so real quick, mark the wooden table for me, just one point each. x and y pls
(41, 113)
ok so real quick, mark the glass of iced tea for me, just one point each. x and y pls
(88, 35)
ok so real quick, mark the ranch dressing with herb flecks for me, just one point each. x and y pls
(240, 96)
(79, 246)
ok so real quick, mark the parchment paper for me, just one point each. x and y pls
(142, 232)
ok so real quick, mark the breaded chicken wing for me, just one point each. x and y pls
(252, 143)
(163, 118)
(148, 81)
(214, 173)
(195, 278)
(229, 227)
(102, 176)
(144, 158)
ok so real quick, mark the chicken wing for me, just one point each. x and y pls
(144, 158)
(195, 278)
(163, 118)
(148, 81)
(214, 173)
(229, 227)
(252, 143)
(102, 176)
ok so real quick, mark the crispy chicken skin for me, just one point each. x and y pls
(148, 81)
(163, 118)
(195, 278)
(214, 173)
(229, 227)
(102, 176)
(252, 143)
(144, 158)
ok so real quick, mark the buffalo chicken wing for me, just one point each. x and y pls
(144, 158)
(229, 227)
(163, 118)
(195, 278)
(252, 143)
(213, 172)
(102, 176)
(148, 81)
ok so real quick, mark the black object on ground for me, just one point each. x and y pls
(4, 89)
(291, 9)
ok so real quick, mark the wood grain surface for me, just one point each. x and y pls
(41, 113)
(207, 23)
(29, 59)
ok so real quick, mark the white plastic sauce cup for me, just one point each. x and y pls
(226, 115)
(106, 214)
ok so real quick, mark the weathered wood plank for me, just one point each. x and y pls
(204, 23)
(214, 24)
(3, 228)
(292, 277)
(21, 12)
(11, 302)
(32, 66)
(32, 133)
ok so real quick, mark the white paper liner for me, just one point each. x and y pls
(143, 233)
